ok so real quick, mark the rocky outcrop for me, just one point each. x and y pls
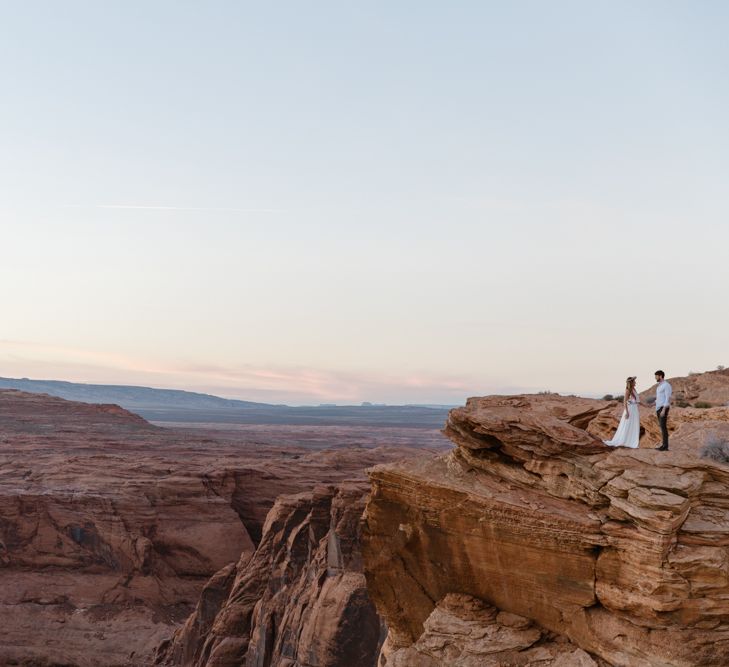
(623, 552)
(705, 389)
(299, 601)
(110, 527)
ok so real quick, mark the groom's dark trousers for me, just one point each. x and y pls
(662, 414)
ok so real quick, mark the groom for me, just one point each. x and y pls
(663, 405)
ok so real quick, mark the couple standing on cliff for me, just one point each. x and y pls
(628, 431)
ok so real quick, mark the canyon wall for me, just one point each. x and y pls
(299, 601)
(110, 527)
(104, 538)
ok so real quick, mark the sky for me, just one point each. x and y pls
(401, 202)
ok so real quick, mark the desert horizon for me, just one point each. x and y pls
(17, 382)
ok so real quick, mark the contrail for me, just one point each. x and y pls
(177, 208)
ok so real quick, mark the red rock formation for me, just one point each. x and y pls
(528, 533)
(300, 600)
(103, 540)
(711, 387)
(110, 527)
(462, 631)
(625, 552)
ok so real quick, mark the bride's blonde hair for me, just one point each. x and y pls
(629, 385)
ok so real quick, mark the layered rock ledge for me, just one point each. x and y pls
(623, 552)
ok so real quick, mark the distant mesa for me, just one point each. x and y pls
(129, 396)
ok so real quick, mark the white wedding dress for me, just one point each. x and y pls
(628, 432)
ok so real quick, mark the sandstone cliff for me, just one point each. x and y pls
(623, 552)
(299, 601)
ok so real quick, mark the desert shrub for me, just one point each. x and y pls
(702, 404)
(720, 367)
(608, 397)
(694, 373)
(682, 404)
(716, 449)
(650, 400)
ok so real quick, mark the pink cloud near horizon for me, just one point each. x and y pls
(296, 385)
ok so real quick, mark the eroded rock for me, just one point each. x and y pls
(463, 631)
(110, 526)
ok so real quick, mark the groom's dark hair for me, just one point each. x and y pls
(661, 373)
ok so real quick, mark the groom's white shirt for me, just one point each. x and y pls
(663, 395)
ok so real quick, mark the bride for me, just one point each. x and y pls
(628, 431)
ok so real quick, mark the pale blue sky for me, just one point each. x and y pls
(385, 201)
